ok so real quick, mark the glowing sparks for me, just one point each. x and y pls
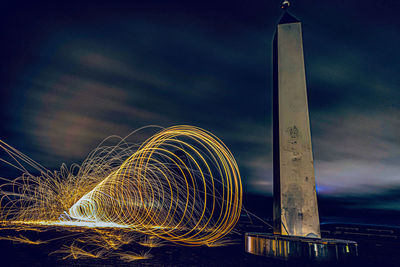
(129, 257)
(181, 185)
(23, 239)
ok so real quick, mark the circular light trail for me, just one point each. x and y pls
(182, 185)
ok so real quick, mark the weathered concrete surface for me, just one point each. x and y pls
(295, 202)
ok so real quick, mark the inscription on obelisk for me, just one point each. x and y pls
(295, 201)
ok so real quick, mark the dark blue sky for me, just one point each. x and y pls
(74, 73)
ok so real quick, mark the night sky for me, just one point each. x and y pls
(74, 73)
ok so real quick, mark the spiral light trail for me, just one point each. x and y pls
(181, 185)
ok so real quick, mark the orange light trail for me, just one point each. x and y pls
(180, 185)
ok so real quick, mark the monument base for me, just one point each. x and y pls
(300, 248)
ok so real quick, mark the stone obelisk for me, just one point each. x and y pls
(296, 222)
(295, 201)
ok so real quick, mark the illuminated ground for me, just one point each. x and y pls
(374, 250)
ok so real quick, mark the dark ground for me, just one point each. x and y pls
(378, 246)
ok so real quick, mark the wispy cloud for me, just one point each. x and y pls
(90, 80)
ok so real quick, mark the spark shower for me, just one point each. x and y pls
(181, 185)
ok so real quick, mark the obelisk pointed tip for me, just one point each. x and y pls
(287, 17)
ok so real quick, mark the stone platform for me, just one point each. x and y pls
(300, 248)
